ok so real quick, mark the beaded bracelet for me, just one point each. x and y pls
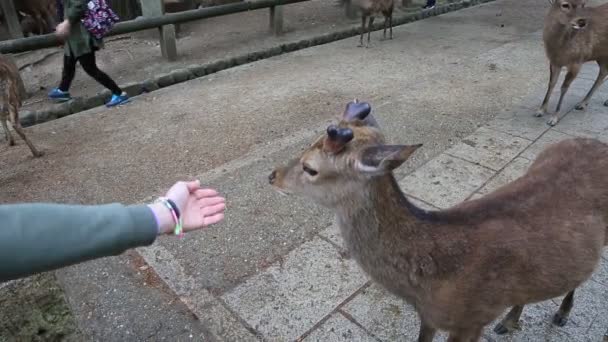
(175, 214)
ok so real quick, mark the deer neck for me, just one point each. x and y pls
(388, 236)
(378, 215)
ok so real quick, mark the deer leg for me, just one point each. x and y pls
(554, 72)
(561, 316)
(598, 82)
(427, 333)
(363, 20)
(8, 136)
(369, 29)
(17, 127)
(390, 19)
(570, 76)
(510, 322)
(385, 26)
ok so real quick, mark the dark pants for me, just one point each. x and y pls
(430, 2)
(90, 67)
(59, 5)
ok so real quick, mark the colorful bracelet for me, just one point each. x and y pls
(175, 214)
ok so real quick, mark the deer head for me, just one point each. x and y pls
(570, 13)
(341, 162)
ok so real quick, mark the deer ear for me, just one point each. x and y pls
(384, 158)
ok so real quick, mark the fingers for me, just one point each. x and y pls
(209, 220)
(213, 209)
(209, 201)
(202, 193)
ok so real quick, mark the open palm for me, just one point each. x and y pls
(199, 207)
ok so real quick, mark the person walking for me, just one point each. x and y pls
(80, 46)
(430, 4)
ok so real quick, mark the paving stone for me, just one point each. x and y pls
(386, 316)
(601, 273)
(338, 328)
(475, 196)
(521, 122)
(591, 123)
(220, 323)
(332, 233)
(288, 299)
(489, 148)
(552, 136)
(445, 181)
(511, 172)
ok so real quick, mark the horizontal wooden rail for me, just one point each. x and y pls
(140, 24)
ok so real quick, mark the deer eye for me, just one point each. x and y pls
(566, 6)
(310, 171)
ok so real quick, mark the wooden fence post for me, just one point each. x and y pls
(276, 20)
(168, 43)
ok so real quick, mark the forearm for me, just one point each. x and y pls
(42, 237)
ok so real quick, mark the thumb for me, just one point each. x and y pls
(194, 185)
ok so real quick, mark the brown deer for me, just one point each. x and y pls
(574, 34)
(12, 93)
(536, 238)
(42, 12)
(370, 8)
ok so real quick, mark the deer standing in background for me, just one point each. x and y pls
(12, 93)
(369, 8)
(536, 238)
(574, 34)
(41, 12)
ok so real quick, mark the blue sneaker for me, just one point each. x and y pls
(59, 95)
(117, 100)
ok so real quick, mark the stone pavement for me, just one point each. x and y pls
(314, 294)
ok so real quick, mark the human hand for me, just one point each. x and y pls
(63, 29)
(198, 207)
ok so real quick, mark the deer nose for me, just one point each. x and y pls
(272, 177)
(581, 22)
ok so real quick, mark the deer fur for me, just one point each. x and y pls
(536, 238)
(42, 12)
(574, 34)
(12, 93)
(370, 8)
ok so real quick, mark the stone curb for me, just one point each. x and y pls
(30, 118)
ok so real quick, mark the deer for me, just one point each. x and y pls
(536, 238)
(573, 35)
(370, 8)
(41, 12)
(12, 93)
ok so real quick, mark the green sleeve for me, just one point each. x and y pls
(42, 237)
(75, 10)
